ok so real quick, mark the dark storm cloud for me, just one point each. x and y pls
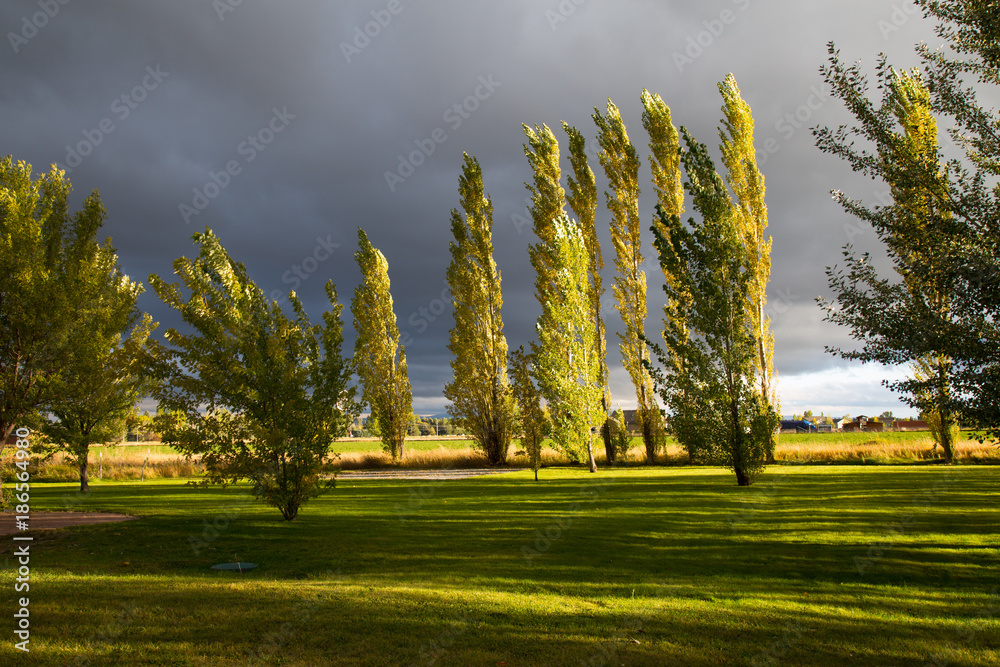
(277, 123)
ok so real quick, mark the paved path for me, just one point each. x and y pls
(52, 520)
(442, 473)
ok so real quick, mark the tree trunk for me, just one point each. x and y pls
(947, 444)
(84, 475)
(609, 448)
(771, 446)
(590, 453)
(536, 474)
(741, 477)
(647, 437)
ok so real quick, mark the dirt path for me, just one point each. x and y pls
(444, 473)
(53, 520)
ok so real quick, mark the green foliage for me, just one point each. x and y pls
(717, 412)
(621, 166)
(582, 200)
(72, 336)
(104, 378)
(379, 358)
(51, 263)
(259, 395)
(750, 212)
(565, 365)
(942, 230)
(533, 418)
(479, 392)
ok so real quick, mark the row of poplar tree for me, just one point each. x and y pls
(714, 375)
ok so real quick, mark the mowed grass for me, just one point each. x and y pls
(813, 565)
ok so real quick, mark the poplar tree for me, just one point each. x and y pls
(665, 161)
(715, 404)
(939, 309)
(750, 212)
(379, 358)
(916, 230)
(582, 201)
(548, 198)
(565, 364)
(621, 166)
(532, 417)
(480, 393)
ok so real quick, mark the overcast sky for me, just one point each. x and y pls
(284, 126)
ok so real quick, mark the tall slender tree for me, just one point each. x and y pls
(934, 314)
(379, 358)
(582, 201)
(665, 161)
(715, 405)
(480, 393)
(565, 364)
(548, 199)
(621, 166)
(532, 416)
(750, 212)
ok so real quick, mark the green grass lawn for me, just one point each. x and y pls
(832, 565)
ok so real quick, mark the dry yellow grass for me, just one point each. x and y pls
(879, 448)
(120, 463)
(111, 463)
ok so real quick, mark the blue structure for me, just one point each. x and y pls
(798, 425)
